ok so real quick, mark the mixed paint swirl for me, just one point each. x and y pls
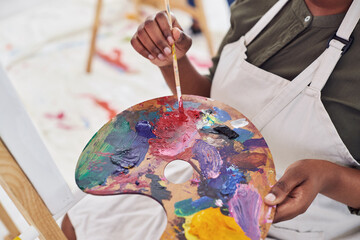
(233, 167)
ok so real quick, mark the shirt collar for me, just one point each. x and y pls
(304, 15)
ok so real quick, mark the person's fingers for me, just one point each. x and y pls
(157, 36)
(297, 202)
(147, 42)
(162, 20)
(173, 34)
(182, 40)
(139, 47)
(283, 187)
(154, 39)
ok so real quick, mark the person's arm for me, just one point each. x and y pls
(153, 40)
(68, 228)
(303, 180)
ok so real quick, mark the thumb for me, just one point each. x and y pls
(182, 40)
(282, 188)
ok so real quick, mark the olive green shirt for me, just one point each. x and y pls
(293, 40)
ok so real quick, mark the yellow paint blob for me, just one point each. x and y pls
(212, 224)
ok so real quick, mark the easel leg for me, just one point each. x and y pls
(93, 35)
(203, 25)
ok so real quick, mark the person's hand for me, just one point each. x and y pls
(154, 38)
(298, 187)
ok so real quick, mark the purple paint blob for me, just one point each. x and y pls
(245, 209)
(208, 157)
(255, 143)
(130, 150)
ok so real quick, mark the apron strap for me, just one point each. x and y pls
(338, 45)
(316, 74)
(264, 21)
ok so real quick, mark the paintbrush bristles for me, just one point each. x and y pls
(175, 64)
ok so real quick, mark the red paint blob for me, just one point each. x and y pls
(103, 104)
(175, 132)
(114, 59)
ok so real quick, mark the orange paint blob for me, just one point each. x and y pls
(212, 224)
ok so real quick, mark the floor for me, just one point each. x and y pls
(44, 46)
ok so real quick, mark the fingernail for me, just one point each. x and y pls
(270, 197)
(161, 57)
(167, 51)
(170, 40)
(151, 57)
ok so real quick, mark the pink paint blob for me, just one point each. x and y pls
(60, 115)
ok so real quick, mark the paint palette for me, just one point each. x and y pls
(233, 167)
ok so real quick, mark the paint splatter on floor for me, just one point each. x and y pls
(114, 59)
(103, 104)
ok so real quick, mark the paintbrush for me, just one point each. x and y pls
(175, 63)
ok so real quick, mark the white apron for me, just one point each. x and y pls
(293, 121)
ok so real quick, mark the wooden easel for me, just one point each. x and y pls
(9, 224)
(196, 12)
(26, 199)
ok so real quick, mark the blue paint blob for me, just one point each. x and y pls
(222, 115)
(234, 177)
(224, 187)
(168, 108)
(244, 134)
(187, 104)
(143, 129)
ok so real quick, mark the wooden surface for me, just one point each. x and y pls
(8, 223)
(22, 193)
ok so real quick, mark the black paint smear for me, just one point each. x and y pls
(225, 130)
(157, 191)
(180, 232)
